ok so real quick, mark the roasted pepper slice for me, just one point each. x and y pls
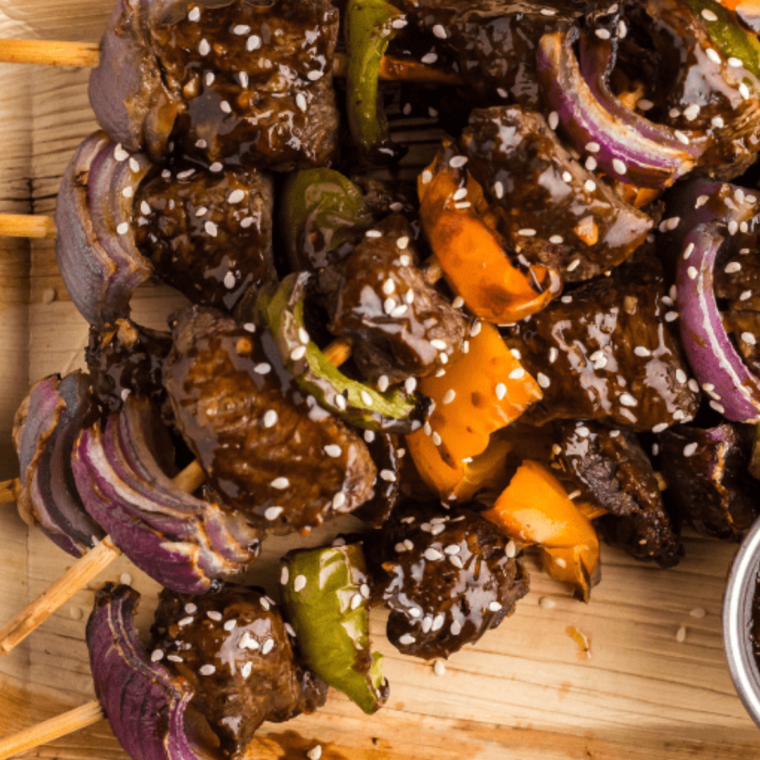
(369, 30)
(482, 391)
(495, 283)
(727, 34)
(325, 595)
(281, 308)
(535, 509)
(320, 211)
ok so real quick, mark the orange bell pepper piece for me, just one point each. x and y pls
(490, 391)
(535, 509)
(495, 284)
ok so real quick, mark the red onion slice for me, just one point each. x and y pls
(184, 543)
(715, 361)
(144, 703)
(620, 149)
(47, 425)
(96, 250)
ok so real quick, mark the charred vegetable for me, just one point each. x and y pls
(326, 599)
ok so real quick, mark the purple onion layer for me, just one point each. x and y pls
(182, 542)
(143, 702)
(716, 362)
(96, 249)
(622, 150)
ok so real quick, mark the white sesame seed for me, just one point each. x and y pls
(744, 91)
(123, 228)
(681, 137)
(593, 147)
(712, 54)
(174, 658)
(642, 351)
(546, 603)
(268, 645)
(333, 450)
(406, 640)
(645, 105)
(691, 112)
(389, 287)
(583, 431)
(602, 34)
(495, 607)
(749, 338)
(229, 281)
(120, 154)
(433, 554)
(589, 186)
(339, 500)
(619, 166)
(315, 753)
(517, 374)
(280, 483)
(511, 549)
(410, 384)
(573, 265)
(681, 635)
(284, 575)
(457, 162)
(439, 668)
(128, 192)
(553, 354)
(553, 120)
(698, 613)
(194, 15)
(429, 58)
(692, 272)
(366, 398)
(438, 622)
(449, 396)
(689, 449)
(440, 32)
(157, 655)
(543, 380)
(298, 353)
(733, 267)
(501, 391)
(356, 601)
(204, 48)
(211, 229)
(427, 177)
(399, 23)
(340, 402)
(270, 419)
(364, 590)
(248, 642)
(241, 29)
(498, 190)
(236, 196)
(246, 669)
(708, 15)
(436, 438)
(207, 670)
(567, 177)
(230, 625)
(299, 583)
(526, 232)
(214, 615)
(733, 227)
(671, 316)
(460, 194)
(590, 163)
(456, 628)
(717, 122)
(253, 43)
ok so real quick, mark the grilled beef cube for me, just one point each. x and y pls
(124, 359)
(494, 43)
(606, 352)
(268, 449)
(611, 469)
(235, 651)
(241, 83)
(706, 473)
(387, 456)
(445, 577)
(549, 207)
(400, 324)
(209, 235)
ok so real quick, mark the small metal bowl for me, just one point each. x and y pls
(737, 622)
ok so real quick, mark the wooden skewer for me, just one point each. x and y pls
(87, 55)
(50, 730)
(27, 225)
(85, 569)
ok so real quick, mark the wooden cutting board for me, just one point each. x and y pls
(528, 690)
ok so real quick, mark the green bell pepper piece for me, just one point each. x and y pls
(321, 209)
(369, 30)
(728, 35)
(280, 306)
(325, 599)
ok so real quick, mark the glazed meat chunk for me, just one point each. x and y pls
(606, 351)
(446, 579)
(208, 234)
(234, 649)
(242, 83)
(379, 297)
(550, 208)
(612, 470)
(267, 449)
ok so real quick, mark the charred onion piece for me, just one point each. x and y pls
(45, 430)
(96, 251)
(145, 704)
(182, 542)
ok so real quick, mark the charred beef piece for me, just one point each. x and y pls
(493, 43)
(209, 235)
(401, 325)
(611, 469)
(267, 449)
(387, 455)
(667, 49)
(607, 352)
(233, 648)
(549, 207)
(706, 473)
(124, 359)
(745, 327)
(445, 577)
(243, 83)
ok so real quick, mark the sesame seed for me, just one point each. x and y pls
(246, 669)
(517, 374)
(248, 642)
(495, 607)
(733, 227)
(553, 120)
(367, 398)
(671, 316)
(241, 29)
(526, 232)
(236, 196)
(270, 419)
(120, 154)
(543, 380)
(128, 192)
(315, 753)
(268, 645)
(556, 239)
(410, 384)
(427, 177)
(298, 353)
(688, 251)
(439, 668)
(339, 500)
(230, 625)
(602, 34)
(438, 622)
(374, 234)
(207, 670)
(340, 402)
(733, 267)
(211, 229)
(583, 431)
(619, 166)
(406, 639)
(194, 14)
(157, 655)
(660, 428)
(123, 228)
(689, 449)
(440, 32)
(399, 23)
(681, 635)
(573, 265)
(511, 549)
(433, 554)
(214, 615)
(299, 583)
(174, 658)
(712, 54)
(389, 287)
(717, 122)
(229, 281)
(498, 190)
(460, 194)
(253, 43)
(590, 163)
(546, 603)
(457, 162)
(645, 105)
(356, 601)
(681, 137)
(691, 112)
(567, 177)
(642, 351)
(589, 186)
(692, 272)
(744, 91)
(501, 391)
(437, 440)
(548, 12)
(475, 328)
(280, 483)
(553, 354)
(593, 147)
(204, 48)
(708, 15)
(749, 338)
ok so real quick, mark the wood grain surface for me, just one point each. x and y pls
(526, 691)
